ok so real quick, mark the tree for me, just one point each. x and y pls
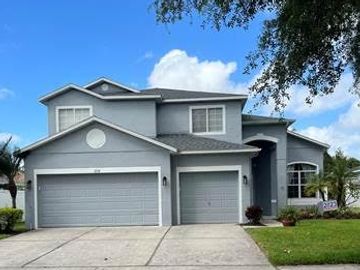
(317, 183)
(308, 42)
(10, 166)
(341, 180)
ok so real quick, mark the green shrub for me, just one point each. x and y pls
(8, 218)
(346, 213)
(289, 213)
(311, 212)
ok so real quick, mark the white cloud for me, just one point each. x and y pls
(343, 133)
(148, 55)
(339, 98)
(297, 105)
(177, 69)
(4, 136)
(6, 93)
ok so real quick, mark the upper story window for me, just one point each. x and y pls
(70, 115)
(298, 176)
(207, 119)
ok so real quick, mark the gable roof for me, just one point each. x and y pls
(300, 136)
(70, 87)
(177, 95)
(87, 122)
(250, 119)
(193, 144)
(161, 94)
(102, 80)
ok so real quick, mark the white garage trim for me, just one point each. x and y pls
(208, 169)
(103, 170)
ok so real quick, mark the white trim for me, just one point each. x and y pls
(91, 93)
(58, 108)
(305, 162)
(101, 170)
(106, 80)
(222, 132)
(261, 137)
(307, 138)
(203, 99)
(220, 151)
(209, 169)
(98, 120)
(301, 199)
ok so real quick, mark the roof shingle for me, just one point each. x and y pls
(187, 142)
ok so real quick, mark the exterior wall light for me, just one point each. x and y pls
(245, 180)
(28, 185)
(164, 181)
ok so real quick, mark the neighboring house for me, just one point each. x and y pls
(356, 202)
(5, 197)
(119, 156)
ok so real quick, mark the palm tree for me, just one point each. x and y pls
(10, 166)
(317, 183)
(341, 179)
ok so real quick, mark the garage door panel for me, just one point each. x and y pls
(209, 197)
(98, 200)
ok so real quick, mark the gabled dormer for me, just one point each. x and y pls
(107, 87)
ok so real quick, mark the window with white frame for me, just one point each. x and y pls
(207, 119)
(298, 176)
(68, 116)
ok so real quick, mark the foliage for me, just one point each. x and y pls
(254, 214)
(308, 42)
(289, 213)
(10, 166)
(344, 213)
(8, 218)
(311, 242)
(317, 183)
(341, 180)
(20, 227)
(310, 212)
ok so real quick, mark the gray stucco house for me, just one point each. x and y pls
(119, 156)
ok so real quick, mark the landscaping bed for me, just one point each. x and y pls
(19, 228)
(311, 242)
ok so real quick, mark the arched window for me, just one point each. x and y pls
(298, 175)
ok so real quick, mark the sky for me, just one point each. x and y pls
(45, 45)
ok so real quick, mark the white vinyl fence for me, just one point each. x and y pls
(5, 199)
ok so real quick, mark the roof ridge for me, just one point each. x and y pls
(192, 90)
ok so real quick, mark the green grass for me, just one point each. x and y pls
(311, 242)
(19, 228)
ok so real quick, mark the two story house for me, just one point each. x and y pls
(119, 156)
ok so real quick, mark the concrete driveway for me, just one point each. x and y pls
(179, 247)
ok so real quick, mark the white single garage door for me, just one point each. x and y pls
(209, 197)
(98, 200)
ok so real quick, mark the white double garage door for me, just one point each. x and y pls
(115, 199)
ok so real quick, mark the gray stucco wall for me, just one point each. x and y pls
(211, 160)
(138, 116)
(120, 150)
(174, 118)
(278, 180)
(302, 150)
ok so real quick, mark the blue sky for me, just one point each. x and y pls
(47, 44)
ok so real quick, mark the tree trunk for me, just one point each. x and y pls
(13, 192)
(322, 195)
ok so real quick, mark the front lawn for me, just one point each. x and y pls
(19, 228)
(311, 242)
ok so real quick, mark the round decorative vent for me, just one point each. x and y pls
(105, 87)
(95, 138)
